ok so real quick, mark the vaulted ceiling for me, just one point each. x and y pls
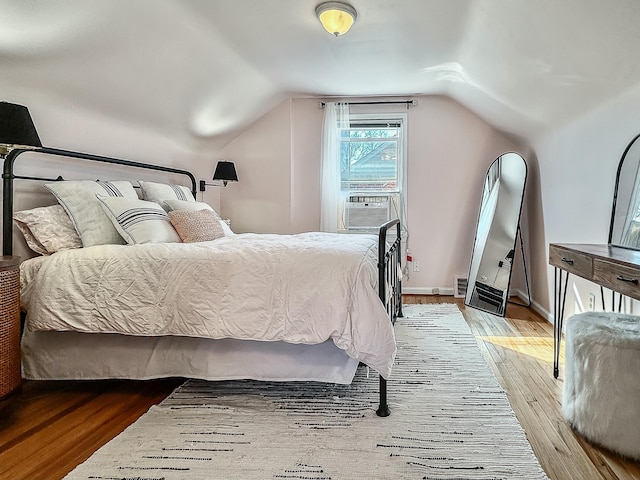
(197, 69)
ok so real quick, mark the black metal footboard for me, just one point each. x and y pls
(389, 288)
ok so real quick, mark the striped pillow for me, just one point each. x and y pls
(78, 198)
(159, 192)
(139, 221)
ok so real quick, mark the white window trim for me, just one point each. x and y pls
(402, 163)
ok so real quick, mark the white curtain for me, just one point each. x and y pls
(336, 118)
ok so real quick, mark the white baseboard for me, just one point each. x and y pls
(449, 291)
(544, 313)
(535, 305)
(428, 291)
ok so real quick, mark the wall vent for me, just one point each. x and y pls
(460, 286)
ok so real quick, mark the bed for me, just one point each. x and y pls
(305, 307)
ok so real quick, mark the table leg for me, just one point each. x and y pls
(560, 296)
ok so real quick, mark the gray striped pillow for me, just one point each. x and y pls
(159, 192)
(78, 198)
(139, 221)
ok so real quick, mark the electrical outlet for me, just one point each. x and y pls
(416, 266)
(592, 302)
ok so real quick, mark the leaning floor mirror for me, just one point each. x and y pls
(495, 241)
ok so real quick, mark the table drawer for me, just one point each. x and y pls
(622, 279)
(572, 262)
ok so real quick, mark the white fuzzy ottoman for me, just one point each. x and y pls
(602, 380)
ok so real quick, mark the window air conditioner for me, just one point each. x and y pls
(366, 212)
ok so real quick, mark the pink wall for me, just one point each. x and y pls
(449, 151)
(306, 145)
(261, 200)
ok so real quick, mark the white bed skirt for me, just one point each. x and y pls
(93, 356)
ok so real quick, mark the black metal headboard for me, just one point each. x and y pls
(8, 177)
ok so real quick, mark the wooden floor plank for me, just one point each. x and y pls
(519, 350)
(47, 428)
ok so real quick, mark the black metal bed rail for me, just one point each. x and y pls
(8, 177)
(389, 289)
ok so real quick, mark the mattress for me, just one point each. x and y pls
(284, 290)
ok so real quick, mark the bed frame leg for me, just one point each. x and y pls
(383, 409)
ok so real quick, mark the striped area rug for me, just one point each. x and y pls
(449, 420)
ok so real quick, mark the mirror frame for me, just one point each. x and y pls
(471, 281)
(616, 190)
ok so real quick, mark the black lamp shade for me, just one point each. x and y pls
(225, 171)
(16, 126)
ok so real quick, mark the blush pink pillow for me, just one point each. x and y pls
(196, 225)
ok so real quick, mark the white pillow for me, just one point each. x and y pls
(159, 192)
(170, 205)
(79, 200)
(33, 243)
(139, 221)
(47, 229)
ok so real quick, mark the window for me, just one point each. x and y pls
(372, 165)
(371, 156)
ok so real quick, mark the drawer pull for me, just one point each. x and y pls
(622, 278)
(567, 260)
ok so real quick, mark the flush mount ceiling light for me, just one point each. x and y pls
(336, 17)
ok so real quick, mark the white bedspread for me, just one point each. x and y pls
(304, 288)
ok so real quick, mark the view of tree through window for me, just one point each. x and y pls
(369, 155)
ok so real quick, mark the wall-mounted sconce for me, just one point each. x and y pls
(225, 172)
(16, 129)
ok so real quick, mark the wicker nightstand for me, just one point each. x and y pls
(10, 369)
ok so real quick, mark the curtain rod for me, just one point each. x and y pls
(408, 103)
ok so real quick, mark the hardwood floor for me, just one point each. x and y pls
(519, 350)
(47, 428)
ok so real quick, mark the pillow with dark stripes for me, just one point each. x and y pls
(78, 198)
(139, 221)
(159, 192)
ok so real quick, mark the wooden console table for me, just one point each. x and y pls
(615, 268)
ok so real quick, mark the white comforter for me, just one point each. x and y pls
(304, 288)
